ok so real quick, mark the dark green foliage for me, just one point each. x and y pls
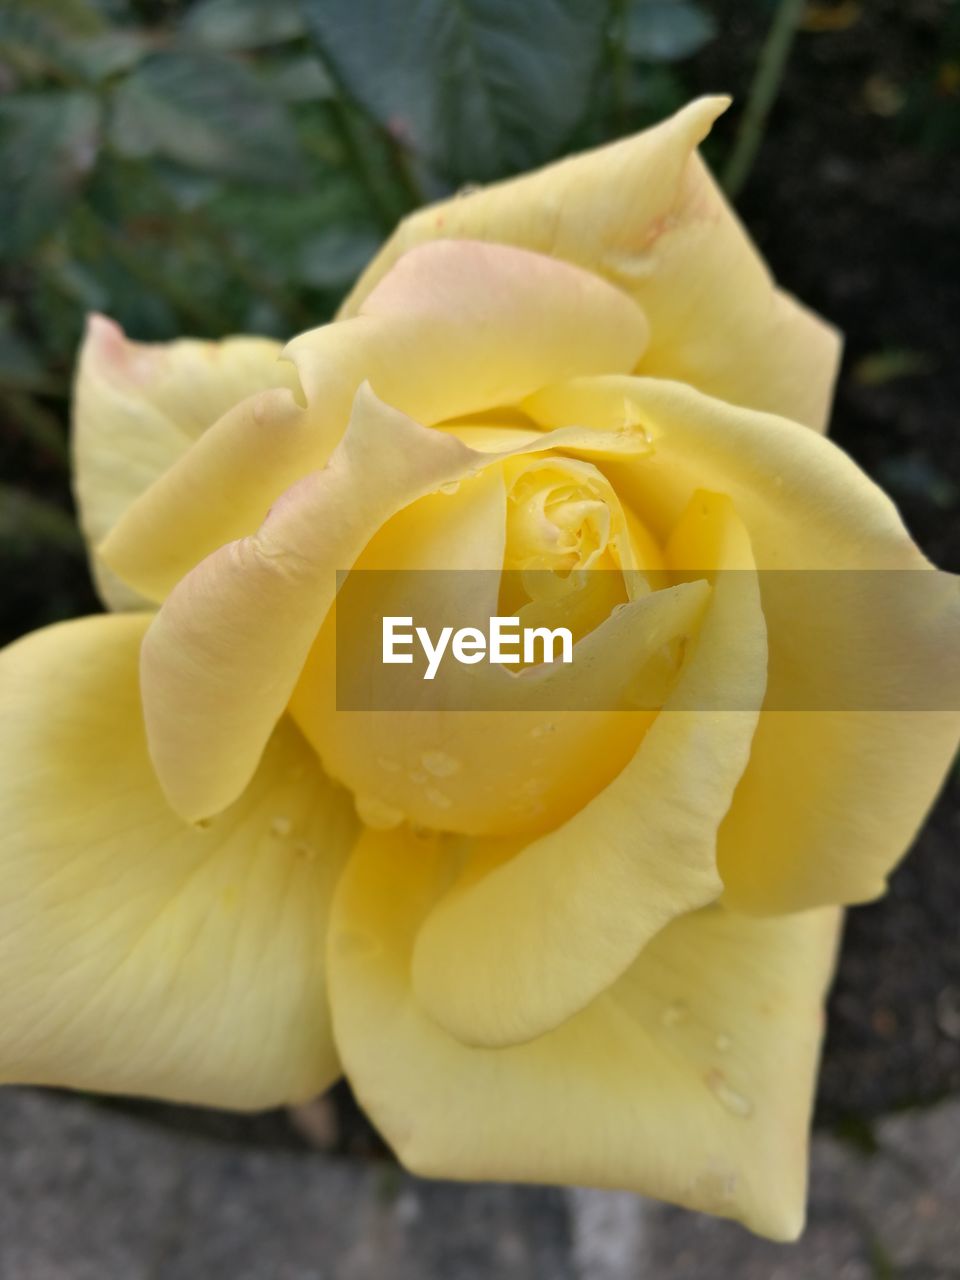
(231, 164)
(205, 111)
(667, 30)
(476, 88)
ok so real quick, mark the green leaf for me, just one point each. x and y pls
(76, 17)
(276, 233)
(301, 78)
(333, 258)
(667, 30)
(105, 55)
(206, 111)
(31, 44)
(48, 144)
(35, 46)
(243, 24)
(478, 88)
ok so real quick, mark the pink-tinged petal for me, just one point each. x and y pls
(451, 330)
(224, 655)
(645, 214)
(138, 406)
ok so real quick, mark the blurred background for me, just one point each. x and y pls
(229, 165)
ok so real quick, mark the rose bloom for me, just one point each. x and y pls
(589, 947)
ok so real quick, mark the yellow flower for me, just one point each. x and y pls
(588, 950)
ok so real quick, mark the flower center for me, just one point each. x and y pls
(568, 558)
(558, 520)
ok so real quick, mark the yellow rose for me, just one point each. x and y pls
(590, 951)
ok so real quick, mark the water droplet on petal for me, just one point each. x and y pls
(541, 730)
(305, 851)
(375, 813)
(674, 1014)
(631, 414)
(281, 826)
(440, 764)
(438, 798)
(417, 776)
(727, 1096)
(450, 488)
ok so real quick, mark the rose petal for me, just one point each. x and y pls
(510, 954)
(137, 408)
(645, 214)
(226, 650)
(139, 955)
(691, 1079)
(507, 754)
(831, 798)
(454, 328)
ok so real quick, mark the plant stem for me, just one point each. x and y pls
(763, 92)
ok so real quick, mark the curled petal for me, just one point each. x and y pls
(138, 406)
(225, 652)
(452, 329)
(645, 214)
(862, 716)
(469, 326)
(512, 951)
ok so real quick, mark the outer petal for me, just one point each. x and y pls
(831, 798)
(510, 954)
(473, 326)
(645, 214)
(453, 329)
(225, 652)
(137, 408)
(690, 1080)
(138, 955)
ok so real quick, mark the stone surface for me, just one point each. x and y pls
(87, 1193)
(90, 1193)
